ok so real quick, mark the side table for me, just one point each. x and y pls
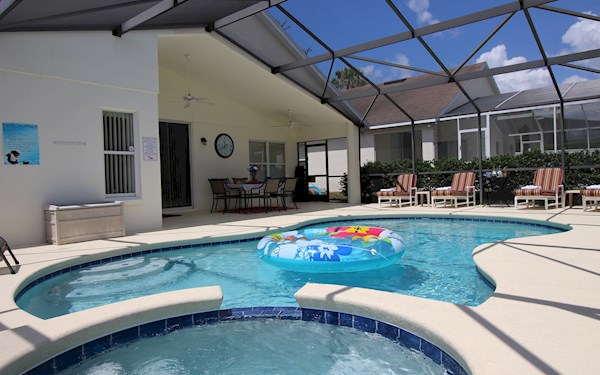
(570, 194)
(420, 194)
(497, 190)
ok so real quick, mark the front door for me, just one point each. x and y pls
(175, 165)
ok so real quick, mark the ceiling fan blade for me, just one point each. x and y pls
(186, 104)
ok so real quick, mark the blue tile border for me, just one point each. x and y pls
(161, 327)
(250, 239)
(399, 335)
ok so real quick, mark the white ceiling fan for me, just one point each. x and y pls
(189, 98)
(291, 124)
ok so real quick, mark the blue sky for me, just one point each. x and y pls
(343, 23)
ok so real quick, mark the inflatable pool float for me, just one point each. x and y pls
(332, 249)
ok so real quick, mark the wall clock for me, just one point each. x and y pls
(224, 145)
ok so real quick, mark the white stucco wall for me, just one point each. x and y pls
(62, 82)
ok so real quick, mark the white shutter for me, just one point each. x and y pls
(119, 153)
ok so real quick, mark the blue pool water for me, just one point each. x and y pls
(261, 347)
(437, 264)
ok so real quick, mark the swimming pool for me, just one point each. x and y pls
(437, 264)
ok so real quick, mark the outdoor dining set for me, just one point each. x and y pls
(241, 195)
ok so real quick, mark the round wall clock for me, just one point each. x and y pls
(224, 145)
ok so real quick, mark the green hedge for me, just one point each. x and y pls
(581, 169)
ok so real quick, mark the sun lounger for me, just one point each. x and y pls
(406, 189)
(547, 186)
(461, 191)
(591, 196)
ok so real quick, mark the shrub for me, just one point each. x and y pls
(581, 169)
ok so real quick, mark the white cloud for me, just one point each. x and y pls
(372, 72)
(583, 35)
(401, 59)
(574, 79)
(516, 81)
(382, 73)
(497, 56)
(421, 8)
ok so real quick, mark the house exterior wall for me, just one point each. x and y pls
(62, 82)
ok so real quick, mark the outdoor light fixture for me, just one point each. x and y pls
(203, 140)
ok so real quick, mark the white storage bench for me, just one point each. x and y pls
(84, 222)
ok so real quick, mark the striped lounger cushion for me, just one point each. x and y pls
(590, 192)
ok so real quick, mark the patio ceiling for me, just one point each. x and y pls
(312, 68)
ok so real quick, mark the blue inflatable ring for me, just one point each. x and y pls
(332, 249)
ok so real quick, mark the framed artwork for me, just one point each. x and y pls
(21, 144)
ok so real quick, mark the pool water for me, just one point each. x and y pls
(437, 264)
(261, 346)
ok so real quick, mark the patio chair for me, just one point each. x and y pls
(272, 190)
(289, 190)
(406, 189)
(547, 186)
(590, 195)
(461, 191)
(222, 192)
(4, 247)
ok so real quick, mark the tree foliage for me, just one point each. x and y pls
(347, 78)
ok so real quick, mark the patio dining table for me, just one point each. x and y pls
(247, 191)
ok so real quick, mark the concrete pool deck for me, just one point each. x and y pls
(544, 317)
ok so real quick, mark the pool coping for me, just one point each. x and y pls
(484, 339)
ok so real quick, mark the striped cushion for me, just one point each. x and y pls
(460, 182)
(439, 193)
(590, 192)
(406, 181)
(392, 193)
(548, 178)
(532, 192)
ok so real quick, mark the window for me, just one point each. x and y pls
(393, 146)
(269, 157)
(119, 153)
(446, 140)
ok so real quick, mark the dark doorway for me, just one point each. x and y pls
(175, 165)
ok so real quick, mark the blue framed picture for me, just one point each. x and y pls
(21, 144)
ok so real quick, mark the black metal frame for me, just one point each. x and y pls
(509, 10)
(4, 247)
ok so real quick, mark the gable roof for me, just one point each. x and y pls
(420, 103)
(578, 91)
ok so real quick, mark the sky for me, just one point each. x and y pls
(344, 23)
